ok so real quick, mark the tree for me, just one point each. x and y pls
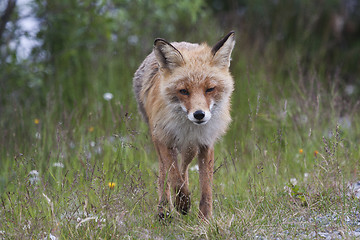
(5, 17)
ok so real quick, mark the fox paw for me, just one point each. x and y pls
(164, 217)
(182, 203)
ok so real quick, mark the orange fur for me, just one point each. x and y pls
(183, 91)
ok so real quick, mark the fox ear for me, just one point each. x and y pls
(222, 50)
(167, 55)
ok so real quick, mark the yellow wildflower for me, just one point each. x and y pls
(301, 151)
(112, 185)
(91, 129)
(36, 121)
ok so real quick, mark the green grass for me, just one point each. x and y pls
(275, 114)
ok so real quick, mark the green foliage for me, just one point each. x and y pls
(285, 30)
(297, 193)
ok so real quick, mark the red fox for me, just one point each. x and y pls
(183, 91)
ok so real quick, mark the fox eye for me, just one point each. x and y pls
(184, 92)
(210, 89)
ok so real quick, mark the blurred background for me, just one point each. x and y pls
(68, 48)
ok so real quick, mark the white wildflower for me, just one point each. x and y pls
(34, 176)
(293, 181)
(37, 135)
(99, 219)
(27, 226)
(58, 164)
(34, 179)
(52, 237)
(34, 173)
(287, 189)
(108, 96)
(306, 175)
(195, 168)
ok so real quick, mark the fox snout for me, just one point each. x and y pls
(199, 117)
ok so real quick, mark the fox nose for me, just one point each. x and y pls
(199, 114)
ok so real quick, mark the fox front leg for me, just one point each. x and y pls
(167, 168)
(182, 200)
(206, 169)
(187, 156)
(164, 193)
(169, 174)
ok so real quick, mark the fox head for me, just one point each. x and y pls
(195, 79)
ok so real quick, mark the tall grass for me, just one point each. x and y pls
(77, 153)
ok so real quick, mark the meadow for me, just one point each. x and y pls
(77, 161)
